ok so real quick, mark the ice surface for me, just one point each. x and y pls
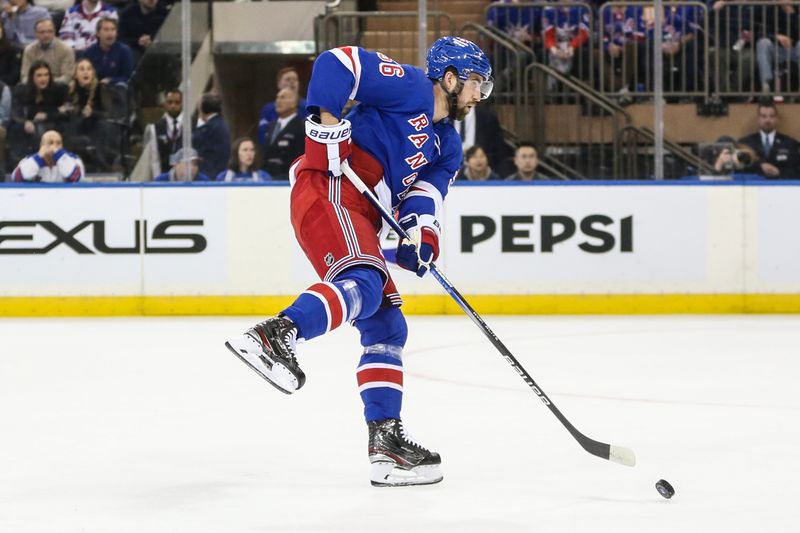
(150, 425)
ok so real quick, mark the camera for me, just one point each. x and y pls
(727, 156)
(742, 158)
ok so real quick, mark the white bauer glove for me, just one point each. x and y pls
(327, 146)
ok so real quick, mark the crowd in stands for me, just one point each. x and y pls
(65, 67)
(750, 46)
(61, 78)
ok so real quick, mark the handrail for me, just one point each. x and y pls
(579, 87)
(618, 114)
(497, 36)
(518, 54)
(567, 171)
(551, 170)
(324, 41)
(673, 147)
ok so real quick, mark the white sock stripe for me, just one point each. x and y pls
(388, 366)
(340, 296)
(325, 304)
(379, 384)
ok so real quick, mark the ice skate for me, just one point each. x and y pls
(397, 460)
(269, 349)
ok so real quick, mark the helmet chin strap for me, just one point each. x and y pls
(453, 100)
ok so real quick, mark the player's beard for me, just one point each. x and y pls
(461, 112)
(456, 112)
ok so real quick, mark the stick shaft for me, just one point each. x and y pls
(592, 446)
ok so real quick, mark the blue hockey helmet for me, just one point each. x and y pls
(462, 55)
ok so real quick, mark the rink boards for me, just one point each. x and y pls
(584, 247)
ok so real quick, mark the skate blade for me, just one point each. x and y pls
(251, 354)
(388, 474)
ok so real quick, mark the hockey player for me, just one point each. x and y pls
(400, 140)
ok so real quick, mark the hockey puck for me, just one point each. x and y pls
(665, 489)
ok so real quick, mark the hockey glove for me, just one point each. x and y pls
(417, 253)
(327, 146)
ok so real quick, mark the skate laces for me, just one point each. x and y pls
(409, 438)
(290, 340)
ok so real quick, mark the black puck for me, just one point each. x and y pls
(665, 489)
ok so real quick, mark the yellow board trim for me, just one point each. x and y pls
(551, 304)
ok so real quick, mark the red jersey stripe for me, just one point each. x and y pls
(334, 304)
(380, 374)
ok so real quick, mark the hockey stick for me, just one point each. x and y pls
(618, 454)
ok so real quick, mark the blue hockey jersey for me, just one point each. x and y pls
(393, 122)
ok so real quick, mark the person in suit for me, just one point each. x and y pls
(167, 130)
(284, 139)
(778, 155)
(287, 78)
(481, 128)
(211, 137)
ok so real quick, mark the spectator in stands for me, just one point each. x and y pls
(50, 164)
(5, 120)
(9, 60)
(139, 23)
(164, 136)
(680, 47)
(57, 9)
(37, 106)
(624, 49)
(779, 25)
(778, 153)
(731, 28)
(178, 170)
(242, 165)
(49, 48)
(211, 137)
(112, 59)
(481, 127)
(287, 79)
(627, 41)
(19, 18)
(566, 35)
(522, 24)
(476, 166)
(526, 159)
(86, 113)
(285, 136)
(79, 28)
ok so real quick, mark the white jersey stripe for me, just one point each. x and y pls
(325, 304)
(378, 384)
(370, 366)
(354, 65)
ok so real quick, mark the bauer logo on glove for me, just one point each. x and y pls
(327, 145)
